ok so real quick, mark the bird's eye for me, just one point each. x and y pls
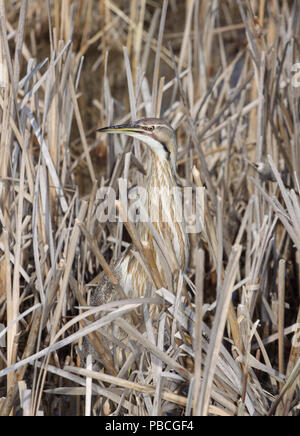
(149, 128)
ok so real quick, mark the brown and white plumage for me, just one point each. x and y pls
(160, 138)
(165, 214)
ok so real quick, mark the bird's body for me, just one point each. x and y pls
(165, 237)
(163, 207)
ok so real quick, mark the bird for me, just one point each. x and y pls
(163, 203)
(163, 206)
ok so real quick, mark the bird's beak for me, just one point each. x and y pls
(129, 128)
(136, 131)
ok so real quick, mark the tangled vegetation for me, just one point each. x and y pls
(225, 74)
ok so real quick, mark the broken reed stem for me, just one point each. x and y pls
(200, 272)
(281, 303)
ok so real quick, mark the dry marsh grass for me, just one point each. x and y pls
(225, 74)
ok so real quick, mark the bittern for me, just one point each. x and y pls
(160, 138)
(168, 226)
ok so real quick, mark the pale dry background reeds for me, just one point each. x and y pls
(222, 72)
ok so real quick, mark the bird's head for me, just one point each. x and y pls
(157, 134)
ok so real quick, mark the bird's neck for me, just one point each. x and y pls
(165, 208)
(160, 174)
(162, 192)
